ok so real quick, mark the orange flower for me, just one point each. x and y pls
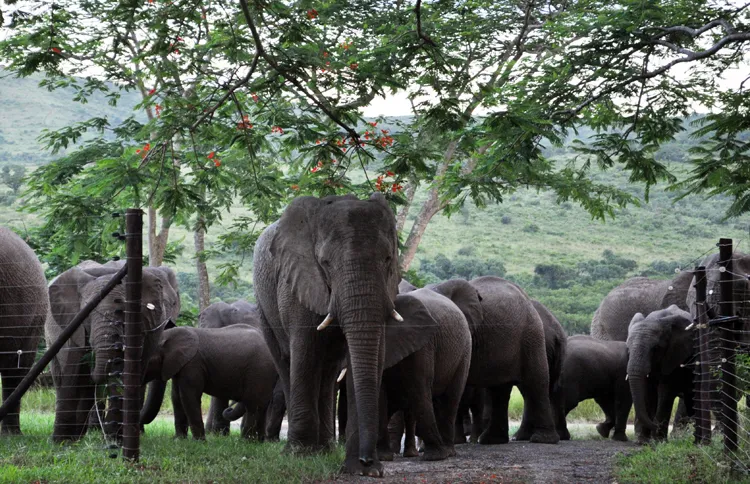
(325, 54)
(389, 173)
(55, 50)
(353, 66)
(255, 97)
(152, 92)
(373, 124)
(217, 163)
(312, 14)
(345, 45)
(211, 155)
(295, 187)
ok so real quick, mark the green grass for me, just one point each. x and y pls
(677, 461)
(33, 457)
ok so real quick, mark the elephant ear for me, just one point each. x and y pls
(410, 335)
(394, 272)
(681, 341)
(465, 296)
(293, 248)
(177, 347)
(65, 293)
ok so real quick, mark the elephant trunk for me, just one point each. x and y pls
(639, 390)
(233, 413)
(103, 364)
(153, 401)
(366, 366)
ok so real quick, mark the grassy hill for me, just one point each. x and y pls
(29, 109)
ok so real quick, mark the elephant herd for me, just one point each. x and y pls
(333, 315)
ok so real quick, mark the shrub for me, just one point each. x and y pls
(531, 228)
(464, 266)
(505, 220)
(466, 250)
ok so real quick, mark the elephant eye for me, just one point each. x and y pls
(388, 259)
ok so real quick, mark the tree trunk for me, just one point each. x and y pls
(204, 293)
(411, 190)
(157, 242)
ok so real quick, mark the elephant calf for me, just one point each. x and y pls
(596, 369)
(231, 363)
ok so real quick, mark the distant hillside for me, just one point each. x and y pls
(28, 109)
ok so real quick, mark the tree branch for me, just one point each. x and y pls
(425, 39)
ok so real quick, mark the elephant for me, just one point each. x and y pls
(229, 363)
(74, 377)
(508, 348)
(24, 304)
(326, 277)
(596, 368)
(426, 382)
(479, 402)
(220, 315)
(638, 295)
(659, 345)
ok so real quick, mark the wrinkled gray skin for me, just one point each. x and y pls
(221, 315)
(24, 305)
(637, 295)
(72, 373)
(596, 369)
(231, 363)
(338, 256)
(658, 344)
(508, 348)
(740, 285)
(429, 381)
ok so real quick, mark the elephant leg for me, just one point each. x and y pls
(608, 407)
(327, 406)
(341, 412)
(681, 418)
(557, 400)
(497, 430)
(476, 407)
(180, 418)
(427, 429)
(216, 423)
(396, 431)
(275, 413)
(410, 439)
(459, 437)
(622, 411)
(304, 395)
(73, 386)
(11, 377)
(527, 426)
(535, 388)
(385, 452)
(249, 426)
(191, 404)
(664, 410)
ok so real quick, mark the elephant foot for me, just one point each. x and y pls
(353, 466)
(10, 430)
(564, 434)
(545, 437)
(620, 436)
(523, 433)
(385, 455)
(473, 439)
(488, 439)
(180, 436)
(200, 438)
(459, 439)
(603, 429)
(411, 452)
(439, 453)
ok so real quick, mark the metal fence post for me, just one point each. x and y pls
(702, 370)
(728, 352)
(133, 334)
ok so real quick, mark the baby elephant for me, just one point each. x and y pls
(232, 363)
(596, 369)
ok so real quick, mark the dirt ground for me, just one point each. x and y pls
(572, 461)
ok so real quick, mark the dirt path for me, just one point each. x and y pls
(572, 461)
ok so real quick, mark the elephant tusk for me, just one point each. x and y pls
(690, 326)
(626, 376)
(341, 376)
(328, 320)
(397, 316)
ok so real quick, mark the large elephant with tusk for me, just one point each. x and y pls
(326, 277)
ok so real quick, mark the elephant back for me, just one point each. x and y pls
(636, 295)
(221, 314)
(676, 293)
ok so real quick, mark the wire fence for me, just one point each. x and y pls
(722, 353)
(28, 321)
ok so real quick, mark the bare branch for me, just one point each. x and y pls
(425, 39)
(229, 92)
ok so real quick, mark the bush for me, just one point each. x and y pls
(466, 250)
(505, 220)
(442, 268)
(553, 276)
(531, 228)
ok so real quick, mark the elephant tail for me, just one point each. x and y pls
(153, 402)
(556, 365)
(233, 413)
(597, 328)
